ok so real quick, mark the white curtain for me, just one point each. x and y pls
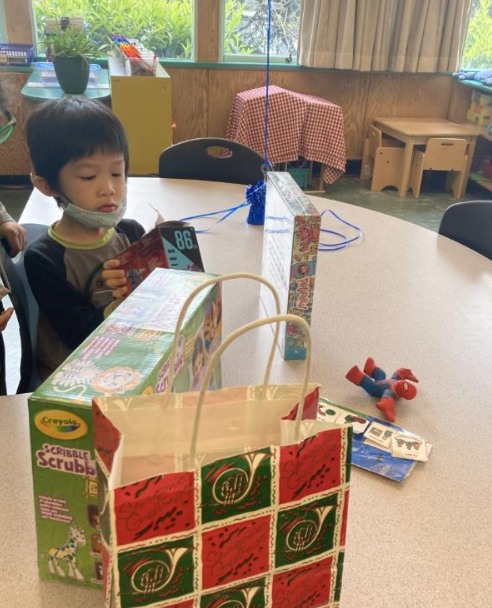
(396, 35)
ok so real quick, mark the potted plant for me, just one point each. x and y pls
(69, 50)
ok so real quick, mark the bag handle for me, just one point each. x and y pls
(189, 300)
(218, 353)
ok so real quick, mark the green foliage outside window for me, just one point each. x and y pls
(246, 27)
(477, 54)
(164, 26)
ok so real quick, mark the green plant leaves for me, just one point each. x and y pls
(70, 43)
(163, 26)
(166, 26)
(477, 53)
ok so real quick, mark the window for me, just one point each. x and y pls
(245, 30)
(163, 26)
(477, 53)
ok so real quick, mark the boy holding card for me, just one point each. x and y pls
(79, 154)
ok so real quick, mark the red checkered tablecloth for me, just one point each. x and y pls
(298, 125)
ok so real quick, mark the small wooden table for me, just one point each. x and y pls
(416, 131)
(299, 126)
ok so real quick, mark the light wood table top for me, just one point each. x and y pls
(429, 127)
(406, 296)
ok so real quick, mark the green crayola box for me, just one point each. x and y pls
(128, 355)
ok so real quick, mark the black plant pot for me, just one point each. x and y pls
(72, 73)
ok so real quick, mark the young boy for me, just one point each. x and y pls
(79, 153)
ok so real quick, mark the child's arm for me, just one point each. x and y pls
(12, 231)
(114, 278)
(5, 317)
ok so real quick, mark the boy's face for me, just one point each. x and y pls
(94, 183)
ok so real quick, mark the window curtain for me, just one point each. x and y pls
(372, 35)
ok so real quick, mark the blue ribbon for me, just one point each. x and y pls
(226, 212)
(345, 242)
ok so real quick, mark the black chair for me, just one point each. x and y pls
(469, 223)
(26, 309)
(191, 160)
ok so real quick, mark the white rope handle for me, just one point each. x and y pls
(218, 353)
(189, 300)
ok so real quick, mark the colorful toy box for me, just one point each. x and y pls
(480, 109)
(290, 252)
(128, 354)
(483, 99)
(169, 245)
(477, 118)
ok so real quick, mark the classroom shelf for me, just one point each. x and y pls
(475, 84)
(143, 105)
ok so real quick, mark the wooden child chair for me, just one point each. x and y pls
(382, 159)
(441, 154)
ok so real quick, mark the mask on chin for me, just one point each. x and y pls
(92, 219)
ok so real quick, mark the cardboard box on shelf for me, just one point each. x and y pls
(479, 120)
(483, 99)
(481, 110)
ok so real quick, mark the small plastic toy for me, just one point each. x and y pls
(373, 380)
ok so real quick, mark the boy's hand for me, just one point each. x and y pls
(4, 318)
(15, 235)
(114, 278)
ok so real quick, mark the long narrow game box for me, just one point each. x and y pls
(290, 253)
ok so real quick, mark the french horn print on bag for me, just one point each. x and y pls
(236, 485)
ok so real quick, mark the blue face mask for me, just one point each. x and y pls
(93, 219)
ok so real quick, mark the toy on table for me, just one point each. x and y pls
(373, 380)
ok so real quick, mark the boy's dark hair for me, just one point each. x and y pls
(70, 128)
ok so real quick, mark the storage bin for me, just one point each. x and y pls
(300, 175)
(16, 54)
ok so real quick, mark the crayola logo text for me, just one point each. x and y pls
(60, 424)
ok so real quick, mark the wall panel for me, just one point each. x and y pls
(408, 95)
(14, 156)
(19, 21)
(202, 100)
(459, 101)
(190, 104)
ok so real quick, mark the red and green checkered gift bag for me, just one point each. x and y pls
(234, 498)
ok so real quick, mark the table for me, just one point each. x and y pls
(298, 125)
(416, 131)
(406, 296)
(36, 91)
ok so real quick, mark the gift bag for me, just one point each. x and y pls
(234, 498)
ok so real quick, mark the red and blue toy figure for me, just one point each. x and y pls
(373, 380)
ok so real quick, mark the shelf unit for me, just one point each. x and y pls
(143, 105)
(475, 175)
(474, 84)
